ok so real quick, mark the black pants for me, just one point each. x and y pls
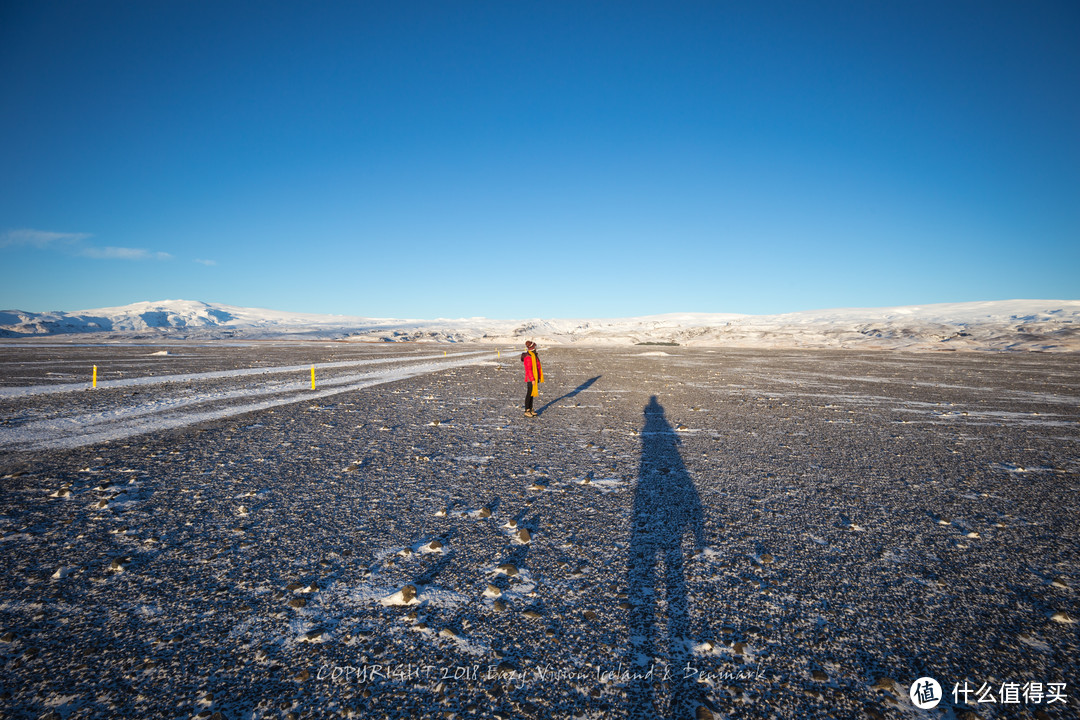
(528, 396)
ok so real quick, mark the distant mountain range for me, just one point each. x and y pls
(1032, 325)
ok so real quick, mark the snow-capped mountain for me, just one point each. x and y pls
(177, 318)
(1047, 325)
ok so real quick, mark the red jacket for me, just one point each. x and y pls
(532, 374)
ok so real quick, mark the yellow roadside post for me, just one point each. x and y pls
(94, 383)
(312, 377)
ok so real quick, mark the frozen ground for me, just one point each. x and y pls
(808, 532)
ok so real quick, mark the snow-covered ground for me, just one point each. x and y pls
(683, 532)
(1043, 325)
(172, 401)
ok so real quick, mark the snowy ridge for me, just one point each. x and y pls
(168, 316)
(1042, 325)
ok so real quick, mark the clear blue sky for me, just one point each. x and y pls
(523, 159)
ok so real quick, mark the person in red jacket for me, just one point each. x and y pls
(534, 375)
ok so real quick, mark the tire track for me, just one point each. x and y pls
(30, 390)
(168, 413)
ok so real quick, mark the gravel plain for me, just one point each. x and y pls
(683, 533)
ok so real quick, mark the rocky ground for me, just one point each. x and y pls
(681, 533)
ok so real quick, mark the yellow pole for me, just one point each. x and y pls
(95, 376)
(312, 377)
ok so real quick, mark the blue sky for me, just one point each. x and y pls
(523, 159)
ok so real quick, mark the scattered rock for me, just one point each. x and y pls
(297, 602)
(1062, 617)
(505, 669)
(508, 569)
(523, 536)
(404, 596)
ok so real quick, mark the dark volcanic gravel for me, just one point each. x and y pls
(681, 533)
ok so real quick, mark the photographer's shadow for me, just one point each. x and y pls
(667, 509)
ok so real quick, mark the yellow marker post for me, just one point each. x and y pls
(94, 384)
(312, 377)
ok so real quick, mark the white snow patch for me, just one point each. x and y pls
(604, 485)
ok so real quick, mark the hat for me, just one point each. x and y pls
(530, 344)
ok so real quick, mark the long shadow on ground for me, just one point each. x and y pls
(666, 509)
(583, 386)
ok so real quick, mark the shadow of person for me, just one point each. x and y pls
(667, 509)
(583, 386)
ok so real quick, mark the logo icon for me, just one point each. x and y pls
(925, 693)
